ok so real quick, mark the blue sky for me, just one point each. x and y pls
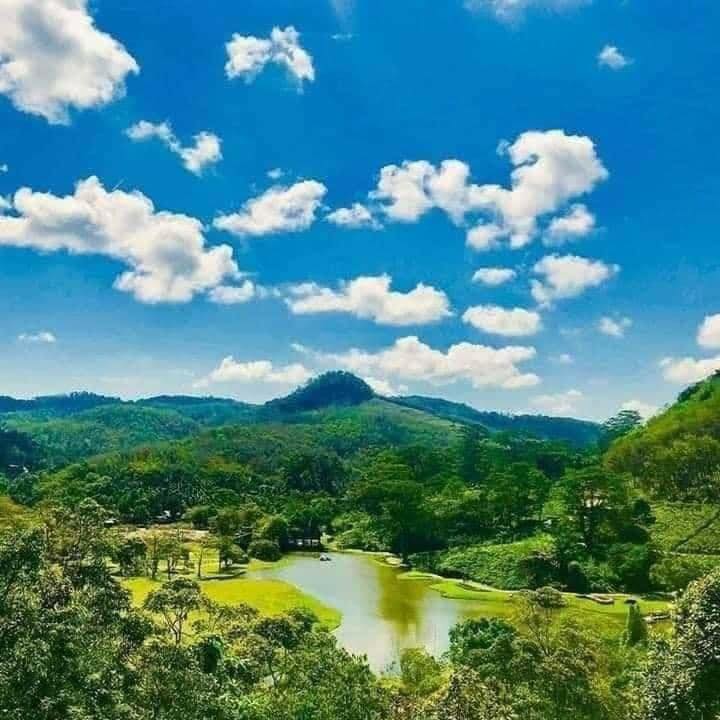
(584, 144)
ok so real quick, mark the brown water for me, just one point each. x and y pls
(382, 614)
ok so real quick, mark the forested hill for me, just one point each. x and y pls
(68, 428)
(575, 432)
(676, 454)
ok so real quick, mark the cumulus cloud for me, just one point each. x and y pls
(53, 58)
(577, 223)
(279, 209)
(688, 369)
(550, 169)
(258, 371)
(567, 276)
(515, 322)
(248, 55)
(167, 256)
(409, 359)
(494, 276)
(611, 57)
(42, 337)
(646, 410)
(708, 335)
(355, 217)
(385, 387)
(234, 294)
(563, 403)
(204, 152)
(614, 328)
(513, 10)
(372, 298)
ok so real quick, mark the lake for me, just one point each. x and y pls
(382, 614)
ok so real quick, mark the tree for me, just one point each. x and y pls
(619, 425)
(174, 602)
(486, 645)
(130, 555)
(635, 628)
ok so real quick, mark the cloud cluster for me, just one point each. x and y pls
(611, 57)
(567, 276)
(577, 223)
(42, 337)
(493, 276)
(234, 294)
(167, 256)
(409, 359)
(496, 320)
(258, 371)
(371, 298)
(279, 209)
(355, 217)
(688, 370)
(513, 10)
(564, 403)
(614, 328)
(53, 58)
(204, 152)
(248, 55)
(550, 169)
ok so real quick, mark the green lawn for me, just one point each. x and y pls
(607, 620)
(270, 597)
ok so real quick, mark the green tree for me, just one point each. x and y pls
(173, 602)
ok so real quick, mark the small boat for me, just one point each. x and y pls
(325, 558)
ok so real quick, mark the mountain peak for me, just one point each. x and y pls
(331, 388)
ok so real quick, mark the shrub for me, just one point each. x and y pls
(267, 550)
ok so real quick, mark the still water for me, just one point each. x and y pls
(382, 614)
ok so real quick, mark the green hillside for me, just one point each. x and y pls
(676, 455)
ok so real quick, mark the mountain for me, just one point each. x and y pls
(676, 454)
(67, 428)
(574, 432)
(332, 389)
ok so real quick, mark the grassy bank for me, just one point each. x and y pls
(270, 597)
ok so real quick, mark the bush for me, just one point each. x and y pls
(273, 528)
(267, 550)
(577, 581)
(676, 572)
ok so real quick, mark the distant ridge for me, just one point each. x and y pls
(332, 389)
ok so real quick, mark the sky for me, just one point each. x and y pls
(508, 203)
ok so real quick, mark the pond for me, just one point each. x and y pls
(382, 614)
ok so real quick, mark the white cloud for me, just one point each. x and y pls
(53, 58)
(248, 55)
(166, 252)
(195, 158)
(257, 371)
(567, 276)
(4, 168)
(550, 169)
(354, 217)
(515, 322)
(708, 335)
(614, 328)
(565, 359)
(645, 409)
(494, 276)
(275, 173)
(512, 10)
(279, 209)
(564, 403)
(43, 337)
(372, 298)
(233, 294)
(385, 387)
(577, 223)
(410, 359)
(688, 370)
(612, 58)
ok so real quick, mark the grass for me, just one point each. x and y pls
(270, 597)
(607, 620)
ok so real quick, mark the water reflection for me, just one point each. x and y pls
(382, 614)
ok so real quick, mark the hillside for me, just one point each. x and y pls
(68, 428)
(575, 432)
(676, 455)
